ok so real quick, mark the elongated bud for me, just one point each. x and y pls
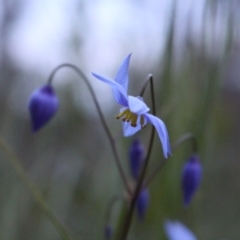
(142, 204)
(191, 178)
(136, 157)
(43, 105)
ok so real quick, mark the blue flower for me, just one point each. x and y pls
(177, 231)
(191, 178)
(43, 105)
(134, 113)
(136, 157)
(142, 204)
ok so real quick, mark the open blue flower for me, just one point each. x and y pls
(134, 112)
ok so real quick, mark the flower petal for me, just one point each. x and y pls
(177, 231)
(162, 133)
(137, 106)
(128, 130)
(119, 92)
(122, 74)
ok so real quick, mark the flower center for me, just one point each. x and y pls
(128, 116)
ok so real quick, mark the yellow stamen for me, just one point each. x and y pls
(122, 113)
(134, 120)
(128, 116)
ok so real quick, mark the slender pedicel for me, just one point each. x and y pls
(109, 135)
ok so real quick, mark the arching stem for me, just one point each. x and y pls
(109, 135)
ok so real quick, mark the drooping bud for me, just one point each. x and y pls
(191, 178)
(142, 204)
(136, 157)
(43, 105)
(177, 231)
(108, 232)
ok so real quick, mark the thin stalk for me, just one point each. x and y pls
(36, 194)
(180, 141)
(128, 220)
(109, 231)
(109, 135)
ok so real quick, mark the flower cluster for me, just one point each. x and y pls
(135, 115)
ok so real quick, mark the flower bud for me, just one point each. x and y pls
(191, 178)
(43, 105)
(142, 204)
(136, 156)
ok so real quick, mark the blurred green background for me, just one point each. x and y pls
(192, 49)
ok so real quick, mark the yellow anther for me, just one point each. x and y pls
(128, 116)
(134, 120)
(122, 113)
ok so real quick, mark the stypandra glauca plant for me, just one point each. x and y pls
(134, 115)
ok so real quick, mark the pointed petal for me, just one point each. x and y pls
(177, 231)
(122, 74)
(162, 133)
(119, 92)
(137, 106)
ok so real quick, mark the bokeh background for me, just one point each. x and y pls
(192, 48)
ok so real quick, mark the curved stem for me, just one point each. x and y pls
(109, 135)
(180, 141)
(184, 138)
(138, 188)
(149, 77)
(37, 195)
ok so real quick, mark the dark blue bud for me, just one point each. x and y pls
(136, 157)
(142, 204)
(108, 232)
(43, 105)
(191, 178)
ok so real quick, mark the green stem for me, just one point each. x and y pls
(128, 220)
(37, 195)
